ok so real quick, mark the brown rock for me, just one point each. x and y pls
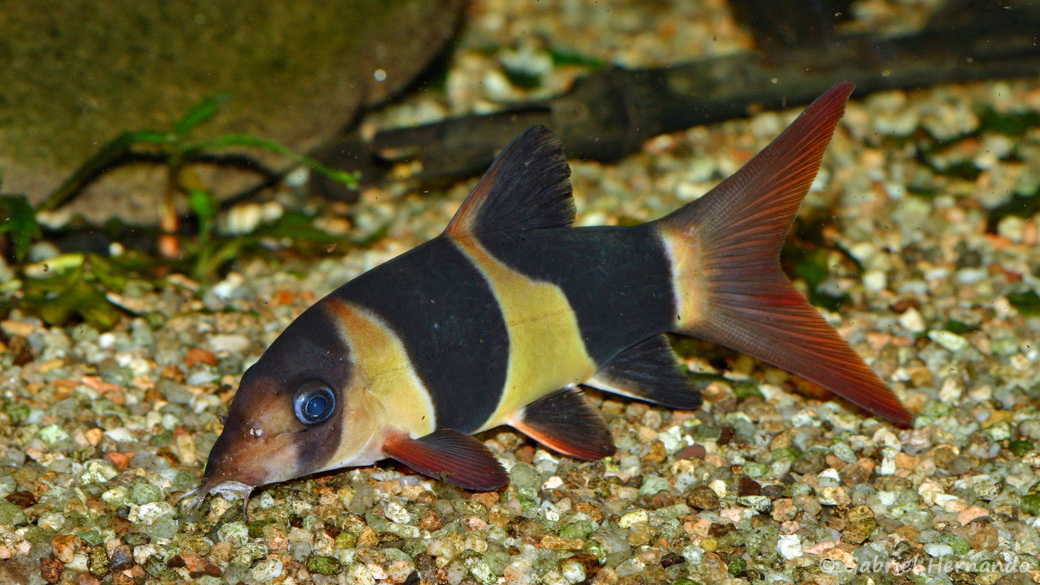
(703, 497)
(859, 472)
(21, 499)
(694, 451)
(748, 487)
(51, 570)
(296, 73)
(199, 356)
(65, 547)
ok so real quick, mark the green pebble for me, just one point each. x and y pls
(247, 553)
(737, 567)
(52, 434)
(523, 475)
(596, 549)
(685, 581)
(653, 484)
(11, 515)
(144, 493)
(1031, 504)
(346, 540)
(480, 570)
(785, 453)
(162, 439)
(1020, 448)
(706, 432)
(90, 537)
(752, 469)
(747, 390)
(844, 452)
(98, 561)
(256, 527)
(17, 413)
(324, 565)
(578, 529)
(161, 528)
(959, 544)
(184, 480)
(1004, 346)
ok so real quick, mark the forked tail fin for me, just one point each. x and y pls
(726, 250)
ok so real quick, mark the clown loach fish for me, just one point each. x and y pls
(498, 320)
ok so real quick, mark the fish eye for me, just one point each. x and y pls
(314, 403)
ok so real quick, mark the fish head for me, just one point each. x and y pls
(300, 409)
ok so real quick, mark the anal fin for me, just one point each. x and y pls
(566, 422)
(649, 371)
(449, 456)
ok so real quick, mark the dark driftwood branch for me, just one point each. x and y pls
(608, 114)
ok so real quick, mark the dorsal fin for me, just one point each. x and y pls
(527, 187)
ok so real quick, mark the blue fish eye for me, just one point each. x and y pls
(314, 403)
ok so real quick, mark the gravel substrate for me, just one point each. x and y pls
(770, 482)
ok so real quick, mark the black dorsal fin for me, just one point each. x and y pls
(649, 371)
(527, 187)
(566, 422)
(449, 456)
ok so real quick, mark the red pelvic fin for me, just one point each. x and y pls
(733, 291)
(567, 423)
(449, 456)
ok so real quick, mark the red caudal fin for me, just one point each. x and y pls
(725, 248)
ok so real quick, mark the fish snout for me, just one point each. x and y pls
(245, 456)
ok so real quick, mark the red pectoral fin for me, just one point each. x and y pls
(449, 456)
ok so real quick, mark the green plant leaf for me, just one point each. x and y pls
(18, 218)
(67, 297)
(244, 140)
(204, 205)
(201, 112)
(1026, 303)
(298, 227)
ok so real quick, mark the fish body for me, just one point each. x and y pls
(503, 316)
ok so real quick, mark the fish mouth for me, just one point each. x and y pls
(228, 488)
(244, 457)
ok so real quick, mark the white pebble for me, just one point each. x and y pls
(572, 571)
(789, 546)
(98, 471)
(948, 339)
(833, 496)
(1012, 228)
(266, 570)
(395, 512)
(938, 550)
(875, 280)
(952, 390)
(630, 519)
(243, 219)
(150, 512)
(552, 483)
(972, 275)
(230, 343)
(912, 321)
(119, 434)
